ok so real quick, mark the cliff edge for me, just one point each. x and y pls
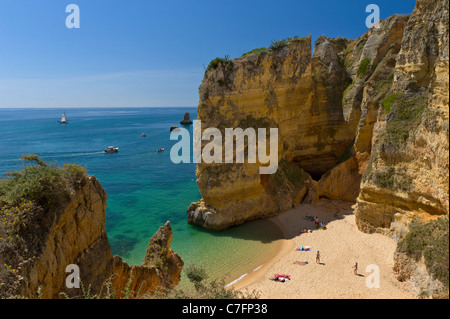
(45, 239)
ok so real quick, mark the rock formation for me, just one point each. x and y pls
(363, 120)
(186, 119)
(322, 109)
(407, 174)
(160, 271)
(335, 120)
(76, 235)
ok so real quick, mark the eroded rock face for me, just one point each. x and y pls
(325, 108)
(76, 235)
(408, 168)
(160, 271)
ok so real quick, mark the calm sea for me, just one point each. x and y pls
(145, 188)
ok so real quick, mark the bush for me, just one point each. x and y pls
(278, 44)
(196, 275)
(214, 289)
(364, 67)
(405, 116)
(429, 240)
(225, 62)
(255, 51)
(75, 173)
(387, 101)
(44, 185)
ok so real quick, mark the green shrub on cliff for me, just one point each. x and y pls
(404, 118)
(278, 44)
(388, 100)
(393, 179)
(254, 51)
(430, 241)
(226, 62)
(43, 184)
(364, 67)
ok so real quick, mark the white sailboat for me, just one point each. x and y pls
(63, 119)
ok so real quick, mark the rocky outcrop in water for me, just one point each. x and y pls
(160, 271)
(186, 119)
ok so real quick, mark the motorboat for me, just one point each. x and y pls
(160, 150)
(144, 135)
(111, 149)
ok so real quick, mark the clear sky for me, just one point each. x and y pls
(143, 53)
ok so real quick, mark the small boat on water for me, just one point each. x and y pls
(144, 135)
(63, 119)
(111, 149)
(160, 150)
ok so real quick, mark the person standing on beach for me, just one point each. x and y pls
(355, 267)
(318, 257)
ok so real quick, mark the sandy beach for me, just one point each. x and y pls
(340, 246)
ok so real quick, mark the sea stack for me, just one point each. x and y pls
(186, 119)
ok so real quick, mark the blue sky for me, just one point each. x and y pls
(143, 53)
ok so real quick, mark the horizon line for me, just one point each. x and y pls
(91, 107)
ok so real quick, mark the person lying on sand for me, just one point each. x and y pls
(281, 278)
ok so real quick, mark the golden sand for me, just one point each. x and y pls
(340, 246)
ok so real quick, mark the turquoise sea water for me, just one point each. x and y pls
(145, 188)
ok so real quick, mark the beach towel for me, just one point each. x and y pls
(301, 263)
(305, 248)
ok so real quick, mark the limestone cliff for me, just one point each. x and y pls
(76, 235)
(364, 120)
(324, 109)
(408, 170)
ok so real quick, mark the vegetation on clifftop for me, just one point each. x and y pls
(226, 62)
(25, 198)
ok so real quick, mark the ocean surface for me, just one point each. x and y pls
(145, 188)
